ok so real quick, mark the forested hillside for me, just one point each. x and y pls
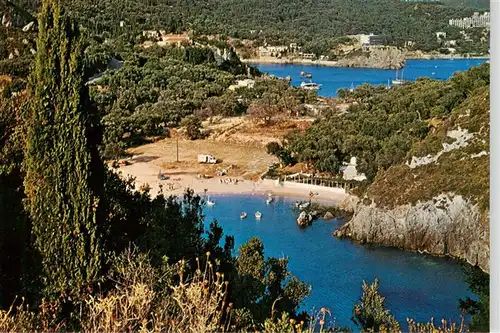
(82, 249)
(276, 21)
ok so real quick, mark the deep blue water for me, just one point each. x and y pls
(334, 78)
(415, 285)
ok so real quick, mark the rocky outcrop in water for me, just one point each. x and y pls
(304, 219)
(375, 57)
(447, 225)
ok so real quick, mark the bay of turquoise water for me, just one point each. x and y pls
(334, 78)
(415, 285)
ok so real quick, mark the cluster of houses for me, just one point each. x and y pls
(363, 40)
(475, 21)
(280, 51)
(294, 50)
(162, 38)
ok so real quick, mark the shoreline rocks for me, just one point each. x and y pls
(387, 57)
(448, 225)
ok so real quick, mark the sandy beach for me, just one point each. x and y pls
(177, 184)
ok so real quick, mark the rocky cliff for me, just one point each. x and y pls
(446, 225)
(375, 57)
(438, 200)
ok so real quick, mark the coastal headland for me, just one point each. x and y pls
(379, 63)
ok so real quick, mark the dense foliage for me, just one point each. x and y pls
(313, 24)
(160, 88)
(382, 127)
(68, 223)
(64, 173)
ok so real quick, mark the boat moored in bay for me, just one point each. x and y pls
(310, 86)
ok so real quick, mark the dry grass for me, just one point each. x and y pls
(142, 303)
(237, 159)
(430, 327)
(240, 130)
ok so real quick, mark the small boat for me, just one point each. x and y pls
(302, 73)
(308, 76)
(210, 202)
(398, 82)
(269, 200)
(243, 215)
(388, 85)
(258, 215)
(310, 86)
(298, 204)
(352, 87)
(304, 205)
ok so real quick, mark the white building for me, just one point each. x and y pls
(440, 35)
(350, 172)
(271, 51)
(475, 21)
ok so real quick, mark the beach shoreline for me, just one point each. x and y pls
(330, 63)
(291, 61)
(435, 57)
(223, 186)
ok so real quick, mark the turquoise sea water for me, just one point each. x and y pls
(415, 285)
(334, 78)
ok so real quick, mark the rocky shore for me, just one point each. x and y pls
(290, 61)
(448, 225)
(422, 55)
(379, 57)
(376, 57)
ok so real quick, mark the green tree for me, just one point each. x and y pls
(192, 124)
(64, 173)
(479, 283)
(273, 148)
(265, 287)
(370, 314)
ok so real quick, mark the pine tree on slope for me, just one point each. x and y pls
(64, 173)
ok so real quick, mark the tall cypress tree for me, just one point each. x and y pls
(64, 173)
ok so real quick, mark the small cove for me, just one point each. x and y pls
(415, 285)
(334, 78)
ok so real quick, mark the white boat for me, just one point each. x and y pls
(269, 198)
(243, 215)
(210, 202)
(398, 82)
(304, 205)
(258, 215)
(352, 87)
(310, 86)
